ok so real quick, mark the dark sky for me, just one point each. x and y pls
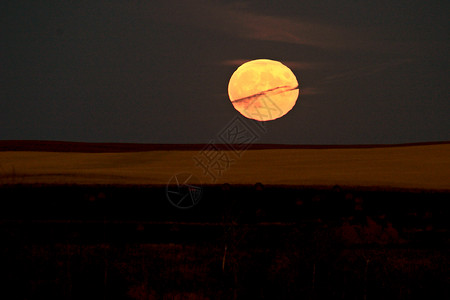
(157, 71)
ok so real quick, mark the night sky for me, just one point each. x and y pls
(370, 72)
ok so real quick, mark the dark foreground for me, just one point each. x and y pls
(254, 242)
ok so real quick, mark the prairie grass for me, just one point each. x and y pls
(421, 167)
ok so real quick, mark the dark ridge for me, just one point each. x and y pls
(63, 146)
(237, 186)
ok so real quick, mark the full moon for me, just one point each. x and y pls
(263, 89)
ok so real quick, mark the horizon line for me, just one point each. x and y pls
(99, 147)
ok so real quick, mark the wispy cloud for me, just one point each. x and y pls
(234, 62)
(365, 70)
(294, 65)
(241, 21)
(303, 65)
(245, 22)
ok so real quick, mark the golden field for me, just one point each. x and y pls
(411, 167)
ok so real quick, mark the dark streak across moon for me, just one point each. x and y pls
(267, 91)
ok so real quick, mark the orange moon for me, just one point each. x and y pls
(263, 89)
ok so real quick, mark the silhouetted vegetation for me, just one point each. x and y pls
(239, 242)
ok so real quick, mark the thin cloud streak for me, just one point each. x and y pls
(309, 91)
